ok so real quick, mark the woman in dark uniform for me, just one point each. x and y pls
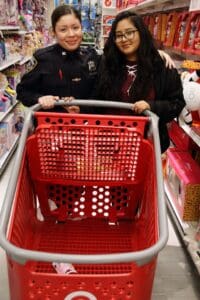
(61, 70)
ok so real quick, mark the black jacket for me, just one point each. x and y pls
(54, 71)
(168, 102)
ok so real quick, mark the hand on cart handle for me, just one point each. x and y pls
(71, 109)
(140, 106)
(48, 102)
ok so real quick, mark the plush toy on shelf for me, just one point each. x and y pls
(191, 92)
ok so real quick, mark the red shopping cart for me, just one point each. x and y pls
(97, 181)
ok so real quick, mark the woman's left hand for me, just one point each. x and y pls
(168, 61)
(71, 109)
(139, 106)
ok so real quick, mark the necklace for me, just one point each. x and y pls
(132, 72)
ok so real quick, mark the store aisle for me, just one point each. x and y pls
(174, 278)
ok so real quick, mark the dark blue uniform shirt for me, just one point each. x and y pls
(55, 71)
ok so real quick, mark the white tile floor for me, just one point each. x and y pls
(174, 280)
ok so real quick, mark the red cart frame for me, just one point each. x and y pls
(98, 183)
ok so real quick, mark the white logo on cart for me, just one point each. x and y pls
(80, 294)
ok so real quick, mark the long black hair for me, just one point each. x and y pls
(113, 70)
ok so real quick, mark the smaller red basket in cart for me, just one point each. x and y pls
(97, 181)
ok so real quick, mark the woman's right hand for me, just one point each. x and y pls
(47, 102)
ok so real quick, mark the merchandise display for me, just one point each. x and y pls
(180, 35)
(90, 13)
(24, 28)
(183, 180)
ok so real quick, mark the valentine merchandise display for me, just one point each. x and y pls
(172, 21)
(192, 40)
(175, 26)
(179, 38)
(183, 181)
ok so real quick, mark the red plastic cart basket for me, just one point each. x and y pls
(98, 183)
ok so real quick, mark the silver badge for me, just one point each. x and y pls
(31, 64)
(91, 66)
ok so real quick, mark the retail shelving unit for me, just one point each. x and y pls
(186, 230)
(4, 160)
(9, 30)
(9, 62)
(151, 6)
(107, 11)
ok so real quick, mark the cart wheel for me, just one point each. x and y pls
(77, 295)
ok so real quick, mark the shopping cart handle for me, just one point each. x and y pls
(96, 103)
(91, 102)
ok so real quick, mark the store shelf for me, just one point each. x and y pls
(25, 60)
(189, 130)
(7, 156)
(9, 62)
(186, 231)
(3, 115)
(15, 60)
(9, 27)
(182, 55)
(18, 32)
(151, 6)
(109, 9)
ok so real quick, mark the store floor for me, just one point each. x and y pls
(175, 276)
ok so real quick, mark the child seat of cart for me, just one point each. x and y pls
(85, 166)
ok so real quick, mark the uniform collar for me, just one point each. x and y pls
(64, 53)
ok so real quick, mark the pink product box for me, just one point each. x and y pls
(183, 181)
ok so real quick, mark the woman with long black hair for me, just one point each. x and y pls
(132, 71)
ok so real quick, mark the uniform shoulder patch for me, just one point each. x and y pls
(31, 64)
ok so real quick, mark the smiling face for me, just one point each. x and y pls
(68, 32)
(127, 39)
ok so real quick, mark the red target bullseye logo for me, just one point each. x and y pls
(108, 3)
(80, 295)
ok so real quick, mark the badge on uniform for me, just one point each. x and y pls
(91, 66)
(31, 64)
